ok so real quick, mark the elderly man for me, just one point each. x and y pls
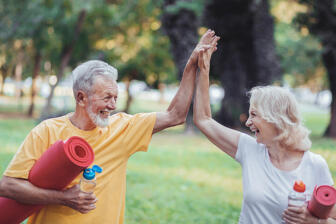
(113, 138)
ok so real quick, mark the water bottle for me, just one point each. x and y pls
(297, 196)
(88, 181)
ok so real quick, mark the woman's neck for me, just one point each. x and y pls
(283, 158)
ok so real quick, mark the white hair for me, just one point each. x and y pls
(278, 106)
(85, 74)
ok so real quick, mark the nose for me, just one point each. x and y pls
(248, 123)
(112, 104)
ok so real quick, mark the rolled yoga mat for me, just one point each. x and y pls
(61, 163)
(322, 201)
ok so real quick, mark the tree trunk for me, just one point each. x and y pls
(37, 63)
(329, 59)
(325, 28)
(4, 74)
(18, 80)
(246, 53)
(181, 28)
(65, 58)
(18, 75)
(129, 97)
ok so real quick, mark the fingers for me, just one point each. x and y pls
(295, 209)
(215, 41)
(294, 215)
(289, 220)
(86, 208)
(88, 204)
(207, 37)
(207, 43)
(88, 198)
(79, 200)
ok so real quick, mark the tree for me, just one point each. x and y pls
(246, 53)
(134, 43)
(21, 25)
(180, 22)
(320, 19)
(65, 55)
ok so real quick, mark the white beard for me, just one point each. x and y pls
(96, 119)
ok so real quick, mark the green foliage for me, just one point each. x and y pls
(134, 44)
(300, 55)
(124, 33)
(195, 6)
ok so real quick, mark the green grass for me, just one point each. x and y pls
(182, 178)
(176, 182)
(316, 122)
(12, 133)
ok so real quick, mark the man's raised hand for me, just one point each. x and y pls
(204, 43)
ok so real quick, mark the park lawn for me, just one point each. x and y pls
(181, 179)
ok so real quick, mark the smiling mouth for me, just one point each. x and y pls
(256, 131)
(105, 113)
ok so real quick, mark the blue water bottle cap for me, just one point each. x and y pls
(97, 169)
(89, 173)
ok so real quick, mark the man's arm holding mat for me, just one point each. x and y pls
(23, 191)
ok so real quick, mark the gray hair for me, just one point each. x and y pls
(85, 74)
(278, 106)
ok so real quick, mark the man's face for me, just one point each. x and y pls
(102, 100)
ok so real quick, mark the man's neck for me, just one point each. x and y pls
(82, 121)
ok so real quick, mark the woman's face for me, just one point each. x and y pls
(264, 131)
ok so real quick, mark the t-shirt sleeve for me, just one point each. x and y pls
(246, 147)
(324, 176)
(28, 153)
(139, 132)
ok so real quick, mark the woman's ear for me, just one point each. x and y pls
(81, 98)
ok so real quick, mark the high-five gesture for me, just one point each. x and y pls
(226, 139)
(205, 52)
(178, 108)
(203, 44)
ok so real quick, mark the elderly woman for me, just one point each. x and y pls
(272, 161)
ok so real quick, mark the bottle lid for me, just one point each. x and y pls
(299, 186)
(90, 173)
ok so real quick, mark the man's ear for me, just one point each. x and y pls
(81, 98)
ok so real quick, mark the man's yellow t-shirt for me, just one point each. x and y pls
(113, 145)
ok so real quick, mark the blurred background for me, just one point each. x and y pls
(183, 178)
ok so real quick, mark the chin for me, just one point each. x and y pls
(259, 140)
(100, 122)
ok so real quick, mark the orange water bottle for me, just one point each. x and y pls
(297, 196)
(88, 181)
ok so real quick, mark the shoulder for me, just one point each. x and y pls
(50, 125)
(53, 122)
(121, 116)
(318, 167)
(247, 141)
(315, 159)
(248, 147)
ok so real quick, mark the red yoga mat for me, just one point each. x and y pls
(322, 201)
(58, 166)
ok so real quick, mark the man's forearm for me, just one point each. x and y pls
(181, 102)
(23, 191)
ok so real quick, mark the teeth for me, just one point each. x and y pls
(105, 112)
